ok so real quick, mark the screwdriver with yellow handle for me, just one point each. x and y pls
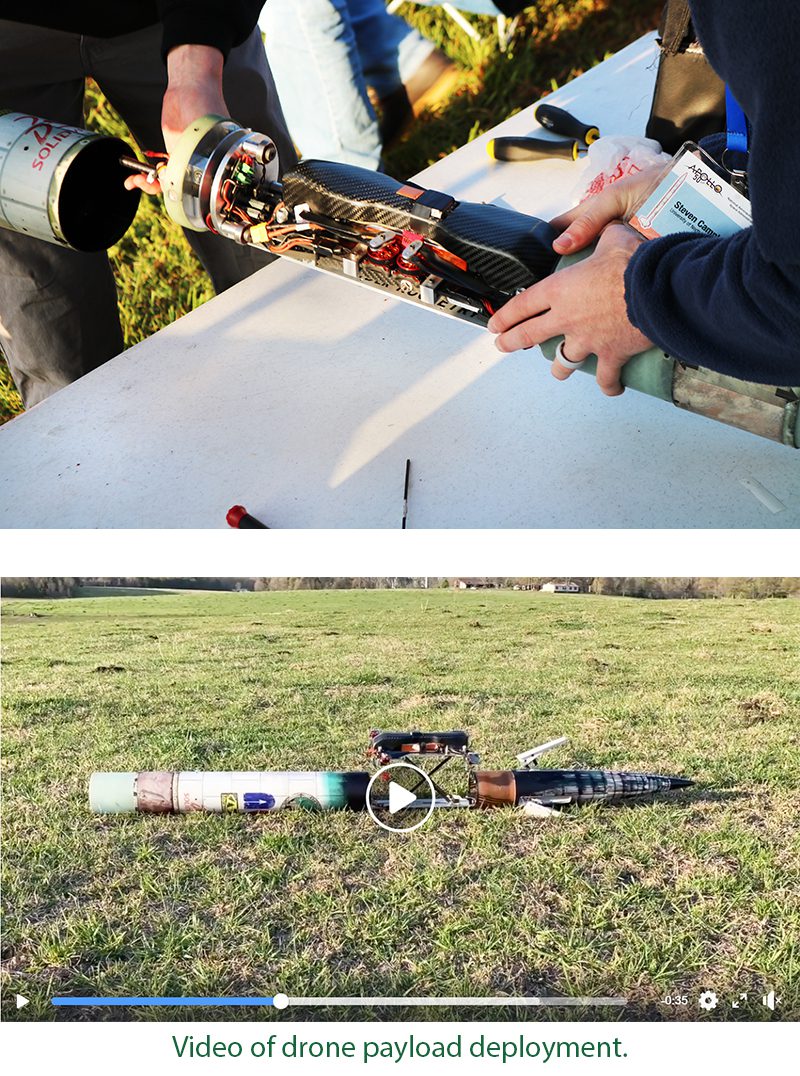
(523, 148)
(557, 120)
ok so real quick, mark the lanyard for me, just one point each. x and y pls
(736, 144)
(736, 125)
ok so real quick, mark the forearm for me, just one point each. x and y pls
(194, 89)
(188, 64)
(718, 303)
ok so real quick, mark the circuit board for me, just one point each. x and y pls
(427, 290)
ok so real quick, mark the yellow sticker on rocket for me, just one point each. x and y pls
(230, 801)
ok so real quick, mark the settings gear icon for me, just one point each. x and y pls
(707, 1000)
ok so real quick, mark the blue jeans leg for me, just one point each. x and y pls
(314, 57)
(391, 51)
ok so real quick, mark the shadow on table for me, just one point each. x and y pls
(340, 427)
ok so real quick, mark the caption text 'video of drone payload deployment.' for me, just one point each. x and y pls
(560, 798)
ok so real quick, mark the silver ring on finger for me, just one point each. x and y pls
(562, 359)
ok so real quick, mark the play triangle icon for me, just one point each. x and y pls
(399, 797)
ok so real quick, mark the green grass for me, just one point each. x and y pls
(684, 892)
(159, 279)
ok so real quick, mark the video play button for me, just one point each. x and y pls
(22, 1001)
(400, 793)
(399, 797)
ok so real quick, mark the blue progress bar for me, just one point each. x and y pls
(160, 1001)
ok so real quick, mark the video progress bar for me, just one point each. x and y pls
(414, 1002)
(91, 1001)
(355, 1002)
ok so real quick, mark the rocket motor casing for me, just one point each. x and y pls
(509, 788)
(62, 184)
(165, 791)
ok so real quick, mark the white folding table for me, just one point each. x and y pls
(301, 396)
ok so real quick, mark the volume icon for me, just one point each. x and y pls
(769, 1000)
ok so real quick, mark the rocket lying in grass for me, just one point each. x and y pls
(535, 790)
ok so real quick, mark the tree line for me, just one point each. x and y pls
(619, 586)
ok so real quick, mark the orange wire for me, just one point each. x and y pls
(283, 247)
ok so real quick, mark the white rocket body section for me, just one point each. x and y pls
(63, 184)
(165, 791)
(250, 790)
(28, 199)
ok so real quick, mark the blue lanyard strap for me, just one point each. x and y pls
(736, 123)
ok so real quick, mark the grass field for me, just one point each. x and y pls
(696, 890)
(158, 277)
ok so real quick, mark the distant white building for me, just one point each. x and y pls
(561, 588)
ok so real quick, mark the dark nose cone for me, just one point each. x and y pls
(680, 782)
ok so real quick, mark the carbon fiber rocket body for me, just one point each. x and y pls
(506, 249)
(502, 788)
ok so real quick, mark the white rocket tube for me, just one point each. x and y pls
(63, 184)
(165, 791)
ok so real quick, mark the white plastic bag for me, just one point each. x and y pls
(615, 157)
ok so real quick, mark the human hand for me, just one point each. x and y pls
(194, 89)
(586, 305)
(580, 226)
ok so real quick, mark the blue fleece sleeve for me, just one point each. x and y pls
(718, 303)
(734, 304)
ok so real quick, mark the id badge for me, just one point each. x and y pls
(692, 195)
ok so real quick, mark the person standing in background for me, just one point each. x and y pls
(326, 55)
